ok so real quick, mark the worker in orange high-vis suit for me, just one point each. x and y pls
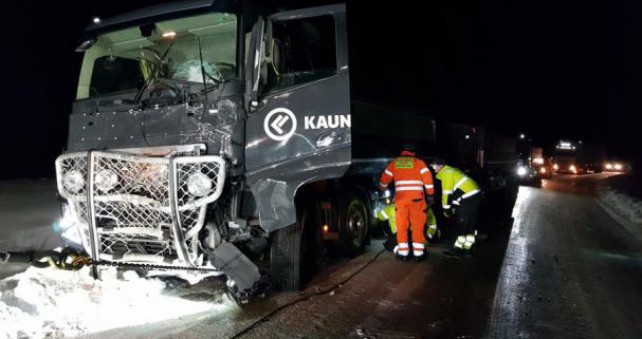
(413, 183)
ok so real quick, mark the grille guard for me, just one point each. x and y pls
(148, 215)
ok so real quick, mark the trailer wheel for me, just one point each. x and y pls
(353, 226)
(292, 254)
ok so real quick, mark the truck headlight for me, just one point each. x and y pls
(572, 168)
(199, 184)
(521, 171)
(618, 167)
(106, 180)
(73, 181)
(608, 166)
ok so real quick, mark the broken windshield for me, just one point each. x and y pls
(199, 50)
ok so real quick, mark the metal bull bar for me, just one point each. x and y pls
(151, 215)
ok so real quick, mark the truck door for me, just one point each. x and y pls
(297, 87)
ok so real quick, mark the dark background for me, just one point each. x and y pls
(551, 69)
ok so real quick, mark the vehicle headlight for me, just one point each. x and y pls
(618, 167)
(572, 168)
(106, 180)
(199, 184)
(73, 181)
(542, 170)
(521, 171)
(556, 167)
(608, 166)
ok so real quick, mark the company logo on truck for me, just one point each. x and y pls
(280, 124)
(327, 121)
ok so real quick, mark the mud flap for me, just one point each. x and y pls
(242, 273)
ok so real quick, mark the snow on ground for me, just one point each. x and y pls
(622, 194)
(53, 303)
(625, 205)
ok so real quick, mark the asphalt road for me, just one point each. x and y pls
(565, 269)
(570, 271)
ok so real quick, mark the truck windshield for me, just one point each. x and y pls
(564, 156)
(125, 61)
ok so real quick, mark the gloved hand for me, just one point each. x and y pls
(430, 201)
(431, 232)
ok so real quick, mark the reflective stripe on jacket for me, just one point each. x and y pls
(455, 186)
(410, 175)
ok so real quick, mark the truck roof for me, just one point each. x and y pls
(156, 13)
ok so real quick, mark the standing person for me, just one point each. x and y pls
(413, 181)
(460, 198)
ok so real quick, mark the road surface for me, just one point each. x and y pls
(565, 269)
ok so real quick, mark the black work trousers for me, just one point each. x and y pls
(466, 214)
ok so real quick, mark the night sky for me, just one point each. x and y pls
(548, 68)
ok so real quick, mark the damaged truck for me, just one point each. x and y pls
(218, 137)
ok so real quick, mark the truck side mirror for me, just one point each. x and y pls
(256, 52)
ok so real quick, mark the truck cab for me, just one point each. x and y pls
(194, 127)
(576, 157)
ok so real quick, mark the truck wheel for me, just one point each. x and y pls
(285, 258)
(292, 254)
(353, 226)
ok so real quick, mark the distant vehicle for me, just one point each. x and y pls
(578, 158)
(526, 171)
(546, 169)
(527, 174)
(616, 166)
(543, 166)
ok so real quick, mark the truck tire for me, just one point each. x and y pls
(353, 225)
(285, 258)
(292, 253)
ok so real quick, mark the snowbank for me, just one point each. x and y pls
(29, 210)
(626, 206)
(622, 194)
(54, 303)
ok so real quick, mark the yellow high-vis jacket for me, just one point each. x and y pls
(455, 186)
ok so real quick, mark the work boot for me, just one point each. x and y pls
(422, 257)
(455, 253)
(401, 257)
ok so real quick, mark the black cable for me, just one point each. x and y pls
(306, 297)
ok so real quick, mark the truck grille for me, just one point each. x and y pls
(140, 207)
